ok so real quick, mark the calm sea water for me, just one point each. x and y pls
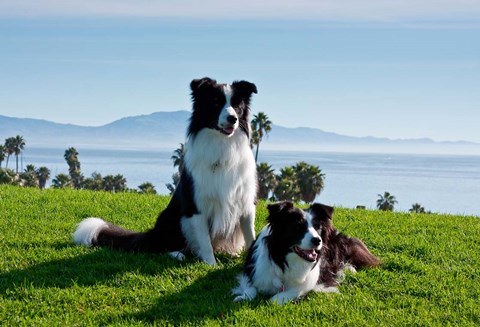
(445, 184)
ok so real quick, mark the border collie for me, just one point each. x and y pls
(213, 207)
(339, 252)
(283, 261)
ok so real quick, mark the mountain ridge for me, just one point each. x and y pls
(166, 129)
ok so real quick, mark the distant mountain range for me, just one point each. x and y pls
(165, 130)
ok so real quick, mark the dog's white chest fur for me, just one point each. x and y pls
(224, 178)
(270, 279)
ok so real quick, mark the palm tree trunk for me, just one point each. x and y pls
(256, 152)
(16, 157)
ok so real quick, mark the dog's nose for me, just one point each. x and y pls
(316, 241)
(232, 119)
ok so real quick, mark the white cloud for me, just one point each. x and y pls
(323, 10)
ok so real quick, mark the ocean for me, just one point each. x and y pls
(440, 183)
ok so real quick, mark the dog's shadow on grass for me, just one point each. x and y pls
(98, 266)
(207, 297)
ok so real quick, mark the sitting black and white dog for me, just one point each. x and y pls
(340, 252)
(283, 262)
(213, 207)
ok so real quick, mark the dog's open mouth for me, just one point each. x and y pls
(226, 130)
(308, 255)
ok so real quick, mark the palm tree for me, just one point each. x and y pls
(254, 139)
(10, 148)
(8, 176)
(261, 126)
(266, 180)
(62, 181)
(71, 156)
(108, 183)
(178, 157)
(310, 180)
(386, 201)
(18, 146)
(43, 174)
(119, 183)
(287, 187)
(147, 188)
(29, 177)
(172, 186)
(3, 153)
(178, 161)
(30, 168)
(95, 182)
(417, 208)
(116, 183)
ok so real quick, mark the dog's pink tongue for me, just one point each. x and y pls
(311, 254)
(228, 130)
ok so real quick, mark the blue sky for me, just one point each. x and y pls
(397, 69)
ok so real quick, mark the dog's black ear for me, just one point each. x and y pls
(322, 211)
(276, 208)
(244, 88)
(197, 84)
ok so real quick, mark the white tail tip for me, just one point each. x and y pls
(88, 230)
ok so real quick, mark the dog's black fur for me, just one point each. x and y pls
(218, 150)
(339, 250)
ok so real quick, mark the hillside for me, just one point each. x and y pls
(429, 275)
(165, 130)
(157, 130)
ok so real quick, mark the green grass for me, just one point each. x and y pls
(430, 272)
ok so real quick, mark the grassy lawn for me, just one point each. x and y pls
(430, 273)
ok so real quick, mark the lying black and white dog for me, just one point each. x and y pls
(339, 252)
(284, 260)
(297, 252)
(213, 208)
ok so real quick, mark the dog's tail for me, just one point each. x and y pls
(360, 257)
(97, 232)
(245, 290)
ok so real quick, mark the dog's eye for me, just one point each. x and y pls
(239, 111)
(217, 101)
(300, 224)
(239, 107)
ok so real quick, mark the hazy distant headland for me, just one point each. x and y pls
(165, 130)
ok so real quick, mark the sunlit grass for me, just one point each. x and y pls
(430, 273)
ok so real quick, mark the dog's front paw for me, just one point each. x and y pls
(325, 289)
(240, 298)
(177, 255)
(281, 298)
(211, 262)
(208, 259)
